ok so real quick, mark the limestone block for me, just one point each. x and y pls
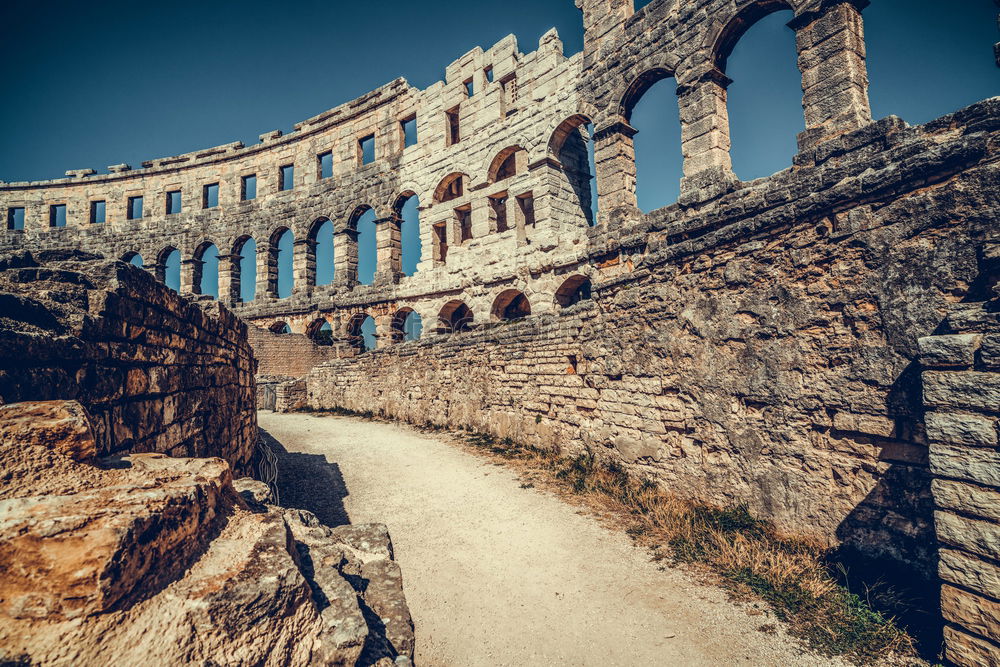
(961, 429)
(980, 501)
(945, 351)
(974, 464)
(974, 535)
(969, 571)
(967, 650)
(962, 389)
(973, 612)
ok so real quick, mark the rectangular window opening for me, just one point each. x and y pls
(210, 197)
(440, 242)
(489, 73)
(286, 180)
(173, 202)
(366, 149)
(134, 211)
(498, 213)
(508, 96)
(464, 216)
(409, 129)
(98, 212)
(15, 217)
(325, 161)
(470, 88)
(526, 202)
(454, 130)
(57, 215)
(248, 187)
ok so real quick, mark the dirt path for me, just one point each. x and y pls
(500, 575)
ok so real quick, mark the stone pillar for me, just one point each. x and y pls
(708, 169)
(267, 264)
(303, 265)
(961, 386)
(831, 46)
(345, 257)
(229, 279)
(388, 250)
(383, 331)
(191, 276)
(483, 219)
(614, 161)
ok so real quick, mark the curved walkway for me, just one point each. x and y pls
(496, 574)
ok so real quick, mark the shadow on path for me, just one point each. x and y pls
(309, 482)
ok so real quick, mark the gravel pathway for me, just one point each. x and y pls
(496, 574)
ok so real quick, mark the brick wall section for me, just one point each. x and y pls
(961, 383)
(286, 354)
(155, 371)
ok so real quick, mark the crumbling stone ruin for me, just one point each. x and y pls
(800, 343)
(112, 551)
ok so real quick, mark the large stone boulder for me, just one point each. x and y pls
(147, 559)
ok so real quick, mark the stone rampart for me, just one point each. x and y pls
(157, 373)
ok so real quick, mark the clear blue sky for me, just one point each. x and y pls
(93, 84)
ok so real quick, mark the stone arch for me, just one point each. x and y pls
(320, 331)
(453, 186)
(245, 261)
(573, 290)
(509, 162)
(280, 327)
(169, 274)
(510, 304)
(638, 87)
(405, 237)
(363, 243)
(202, 256)
(318, 249)
(571, 144)
(402, 323)
(724, 35)
(132, 257)
(355, 333)
(564, 130)
(454, 317)
(274, 273)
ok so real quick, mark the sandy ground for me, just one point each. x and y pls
(496, 574)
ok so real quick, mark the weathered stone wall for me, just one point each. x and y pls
(287, 354)
(767, 358)
(157, 372)
(961, 389)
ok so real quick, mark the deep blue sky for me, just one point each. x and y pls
(93, 84)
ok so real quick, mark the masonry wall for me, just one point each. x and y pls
(769, 359)
(961, 389)
(290, 355)
(156, 372)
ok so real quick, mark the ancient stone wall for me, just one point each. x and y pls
(961, 390)
(290, 355)
(157, 372)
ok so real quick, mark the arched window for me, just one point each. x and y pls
(320, 332)
(361, 332)
(406, 325)
(133, 258)
(407, 208)
(280, 328)
(511, 305)
(451, 187)
(573, 290)
(454, 317)
(764, 101)
(206, 273)
(168, 269)
(279, 270)
(573, 146)
(321, 251)
(245, 276)
(508, 162)
(650, 106)
(363, 221)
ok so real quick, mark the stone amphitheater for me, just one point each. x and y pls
(822, 345)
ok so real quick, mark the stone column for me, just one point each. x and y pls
(345, 257)
(388, 250)
(229, 279)
(483, 222)
(303, 265)
(191, 276)
(383, 331)
(267, 265)
(831, 46)
(961, 380)
(614, 161)
(708, 169)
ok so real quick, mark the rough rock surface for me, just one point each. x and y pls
(147, 559)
